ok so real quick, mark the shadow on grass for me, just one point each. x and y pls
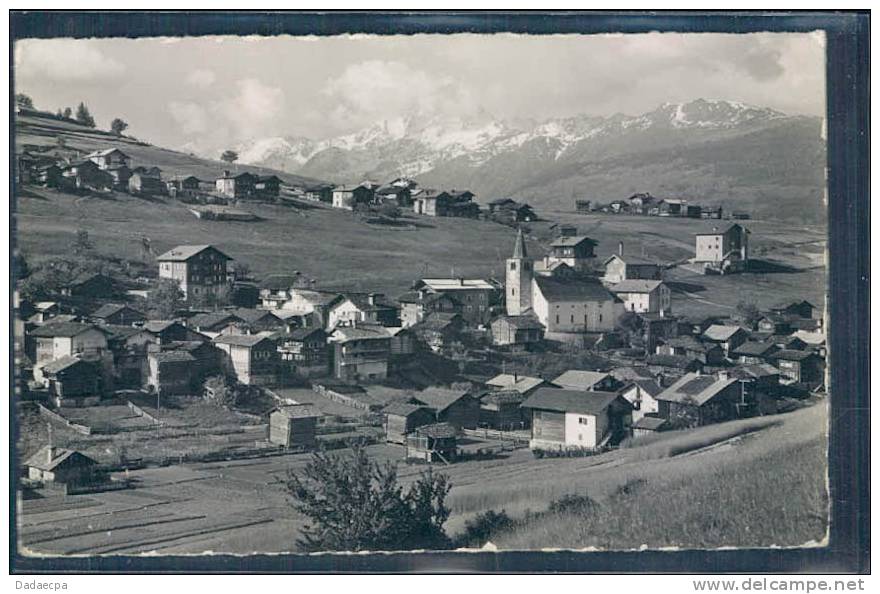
(25, 193)
(771, 267)
(683, 287)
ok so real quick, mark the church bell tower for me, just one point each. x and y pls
(518, 285)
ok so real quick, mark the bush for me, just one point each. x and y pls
(580, 505)
(355, 504)
(483, 526)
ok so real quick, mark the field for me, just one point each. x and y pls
(730, 476)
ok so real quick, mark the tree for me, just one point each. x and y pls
(68, 112)
(24, 101)
(748, 312)
(118, 126)
(219, 392)
(82, 244)
(390, 210)
(355, 504)
(165, 298)
(229, 156)
(84, 117)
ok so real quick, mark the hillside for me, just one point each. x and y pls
(46, 132)
(711, 152)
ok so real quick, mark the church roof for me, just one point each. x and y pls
(574, 289)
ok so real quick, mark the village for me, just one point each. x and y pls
(286, 366)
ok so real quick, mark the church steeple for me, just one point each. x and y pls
(519, 273)
(519, 248)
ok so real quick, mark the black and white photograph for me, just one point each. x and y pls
(475, 292)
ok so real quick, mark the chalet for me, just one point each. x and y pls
(403, 342)
(798, 309)
(619, 268)
(397, 195)
(60, 466)
(200, 270)
(402, 418)
(461, 204)
(723, 251)
(117, 314)
(129, 346)
(672, 207)
(432, 443)
(252, 358)
(518, 331)
(521, 384)
(511, 211)
(643, 296)
(657, 327)
(304, 352)
(236, 187)
(503, 410)
(754, 352)
(319, 193)
(85, 175)
(310, 305)
(48, 175)
(267, 186)
(66, 339)
(294, 425)
(415, 306)
(475, 296)
(727, 337)
(369, 308)
(439, 330)
(583, 206)
(789, 342)
(349, 197)
(432, 203)
(799, 367)
(619, 206)
(648, 425)
(360, 353)
(585, 381)
(213, 324)
(572, 419)
(255, 321)
(166, 331)
(145, 185)
(170, 373)
(641, 394)
(153, 172)
(107, 158)
(190, 184)
(121, 176)
(275, 288)
(708, 398)
(760, 377)
(641, 202)
(775, 324)
(694, 211)
(44, 311)
(575, 251)
(707, 353)
(456, 407)
(90, 286)
(72, 381)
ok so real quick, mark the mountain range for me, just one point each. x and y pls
(710, 152)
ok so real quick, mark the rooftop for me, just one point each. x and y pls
(696, 387)
(183, 253)
(49, 458)
(452, 284)
(244, 340)
(440, 398)
(574, 289)
(436, 431)
(298, 411)
(572, 241)
(721, 333)
(577, 379)
(62, 329)
(636, 286)
(575, 401)
(518, 383)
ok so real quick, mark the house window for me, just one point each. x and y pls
(583, 421)
(513, 265)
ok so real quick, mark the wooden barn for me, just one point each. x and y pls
(60, 466)
(402, 418)
(456, 407)
(432, 443)
(501, 410)
(294, 425)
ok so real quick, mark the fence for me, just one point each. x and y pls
(84, 429)
(365, 402)
(142, 413)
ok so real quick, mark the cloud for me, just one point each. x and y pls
(377, 89)
(254, 105)
(64, 60)
(191, 117)
(202, 78)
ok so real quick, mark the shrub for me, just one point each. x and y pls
(580, 505)
(483, 526)
(355, 504)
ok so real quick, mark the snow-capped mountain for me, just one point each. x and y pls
(550, 161)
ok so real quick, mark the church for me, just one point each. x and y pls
(559, 290)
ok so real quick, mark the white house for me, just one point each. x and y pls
(643, 296)
(568, 419)
(640, 394)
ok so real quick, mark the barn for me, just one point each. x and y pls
(60, 466)
(432, 443)
(294, 425)
(402, 418)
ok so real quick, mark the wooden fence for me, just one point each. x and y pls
(84, 429)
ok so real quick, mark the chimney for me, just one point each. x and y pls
(620, 248)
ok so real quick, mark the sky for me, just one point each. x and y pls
(212, 92)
